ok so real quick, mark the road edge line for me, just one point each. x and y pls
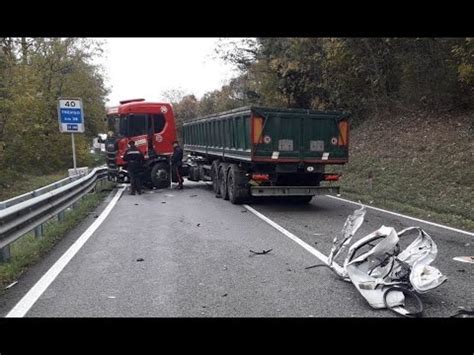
(405, 216)
(30, 298)
(293, 237)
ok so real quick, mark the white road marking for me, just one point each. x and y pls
(404, 216)
(293, 237)
(24, 305)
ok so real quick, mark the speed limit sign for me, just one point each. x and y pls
(70, 115)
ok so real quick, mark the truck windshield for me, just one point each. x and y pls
(135, 124)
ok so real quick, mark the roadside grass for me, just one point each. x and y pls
(421, 166)
(13, 183)
(19, 184)
(27, 250)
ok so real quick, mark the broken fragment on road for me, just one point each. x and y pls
(465, 259)
(11, 285)
(140, 259)
(261, 252)
(192, 195)
(463, 312)
(384, 274)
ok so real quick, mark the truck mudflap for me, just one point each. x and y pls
(293, 190)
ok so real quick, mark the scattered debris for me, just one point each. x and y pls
(140, 259)
(318, 234)
(463, 312)
(461, 270)
(96, 216)
(224, 295)
(193, 196)
(136, 204)
(467, 244)
(111, 297)
(261, 252)
(465, 259)
(163, 201)
(168, 195)
(385, 274)
(225, 268)
(204, 306)
(11, 285)
(198, 224)
(243, 211)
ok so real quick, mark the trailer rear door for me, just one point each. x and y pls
(299, 135)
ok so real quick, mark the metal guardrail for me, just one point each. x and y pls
(24, 213)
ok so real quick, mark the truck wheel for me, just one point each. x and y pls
(223, 181)
(160, 176)
(215, 177)
(236, 188)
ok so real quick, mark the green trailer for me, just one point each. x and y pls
(262, 151)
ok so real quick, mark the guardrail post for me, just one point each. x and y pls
(5, 254)
(39, 231)
(61, 216)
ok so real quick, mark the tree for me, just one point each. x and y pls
(33, 74)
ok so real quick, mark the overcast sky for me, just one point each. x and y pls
(145, 67)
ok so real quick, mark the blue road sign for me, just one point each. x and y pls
(70, 116)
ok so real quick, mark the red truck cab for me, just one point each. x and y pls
(152, 126)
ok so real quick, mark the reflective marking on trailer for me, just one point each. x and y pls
(275, 155)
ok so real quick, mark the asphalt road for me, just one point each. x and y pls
(171, 253)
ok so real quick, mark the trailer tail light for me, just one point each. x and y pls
(331, 177)
(343, 133)
(260, 177)
(257, 130)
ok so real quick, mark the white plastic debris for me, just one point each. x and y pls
(384, 274)
(11, 285)
(465, 259)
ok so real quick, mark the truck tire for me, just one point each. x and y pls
(223, 181)
(160, 175)
(215, 177)
(236, 185)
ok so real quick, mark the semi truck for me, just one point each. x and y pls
(263, 151)
(152, 126)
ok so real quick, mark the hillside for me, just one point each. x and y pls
(421, 164)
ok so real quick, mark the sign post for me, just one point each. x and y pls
(71, 120)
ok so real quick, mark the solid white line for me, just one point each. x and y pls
(404, 216)
(37, 290)
(293, 237)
